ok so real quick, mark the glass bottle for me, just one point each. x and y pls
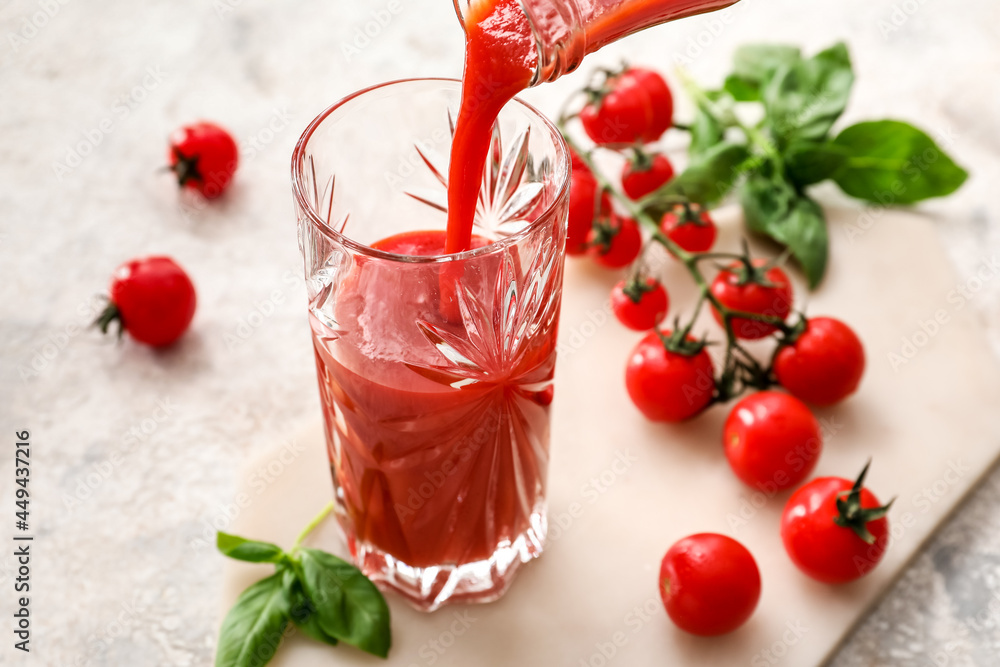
(567, 30)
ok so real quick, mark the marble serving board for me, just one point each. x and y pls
(622, 489)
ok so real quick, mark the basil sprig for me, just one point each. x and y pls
(325, 597)
(771, 163)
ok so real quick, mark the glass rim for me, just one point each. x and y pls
(299, 194)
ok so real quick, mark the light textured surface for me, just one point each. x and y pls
(621, 489)
(123, 574)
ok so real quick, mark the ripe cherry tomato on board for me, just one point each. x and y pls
(635, 106)
(669, 379)
(152, 299)
(824, 364)
(614, 242)
(690, 227)
(583, 208)
(709, 583)
(204, 157)
(645, 174)
(640, 304)
(771, 440)
(834, 530)
(755, 289)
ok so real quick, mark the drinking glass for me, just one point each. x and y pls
(435, 372)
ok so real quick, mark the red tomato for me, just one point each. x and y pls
(772, 440)
(204, 157)
(635, 106)
(824, 364)
(640, 304)
(709, 583)
(762, 292)
(690, 227)
(638, 181)
(582, 205)
(615, 242)
(669, 385)
(660, 98)
(835, 545)
(152, 299)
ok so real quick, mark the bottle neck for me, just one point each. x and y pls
(567, 30)
(558, 27)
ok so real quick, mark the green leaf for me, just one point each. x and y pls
(248, 550)
(348, 604)
(715, 95)
(706, 132)
(892, 162)
(804, 98)
(742, 89)
(808, 162)
(710, 176)
(254, 628)
(303, 611)
(771, 206)
(754, 64)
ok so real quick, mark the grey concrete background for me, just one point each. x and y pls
(135, 451)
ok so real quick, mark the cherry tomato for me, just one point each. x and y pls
(709, 583)
(152, 299)
(772, 440)
(204, 158)
(615, 242)
(640, 304)
(582, 205)
(635, 106)
(835, 544)
(690, 227)
(639, 179)
(669, 385)
(660, 98)
(761, 291)
(824, 364)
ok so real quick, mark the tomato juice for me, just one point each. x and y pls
(440, 460)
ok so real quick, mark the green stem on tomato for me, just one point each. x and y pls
(761, 375)
(727, 117)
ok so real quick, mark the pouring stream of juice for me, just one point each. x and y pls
(501, 59)
(499, 63)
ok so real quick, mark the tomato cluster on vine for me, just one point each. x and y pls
(771, 438)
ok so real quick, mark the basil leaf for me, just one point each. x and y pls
(715, 95)
(809, 162)
(254, 628)
(706, 132)
(248, 550)
(742, 89)
(805, 98)
(348, 605)
(892, 162)
(302, 610)
(754, 64)
(710, 176)
(771, 206)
